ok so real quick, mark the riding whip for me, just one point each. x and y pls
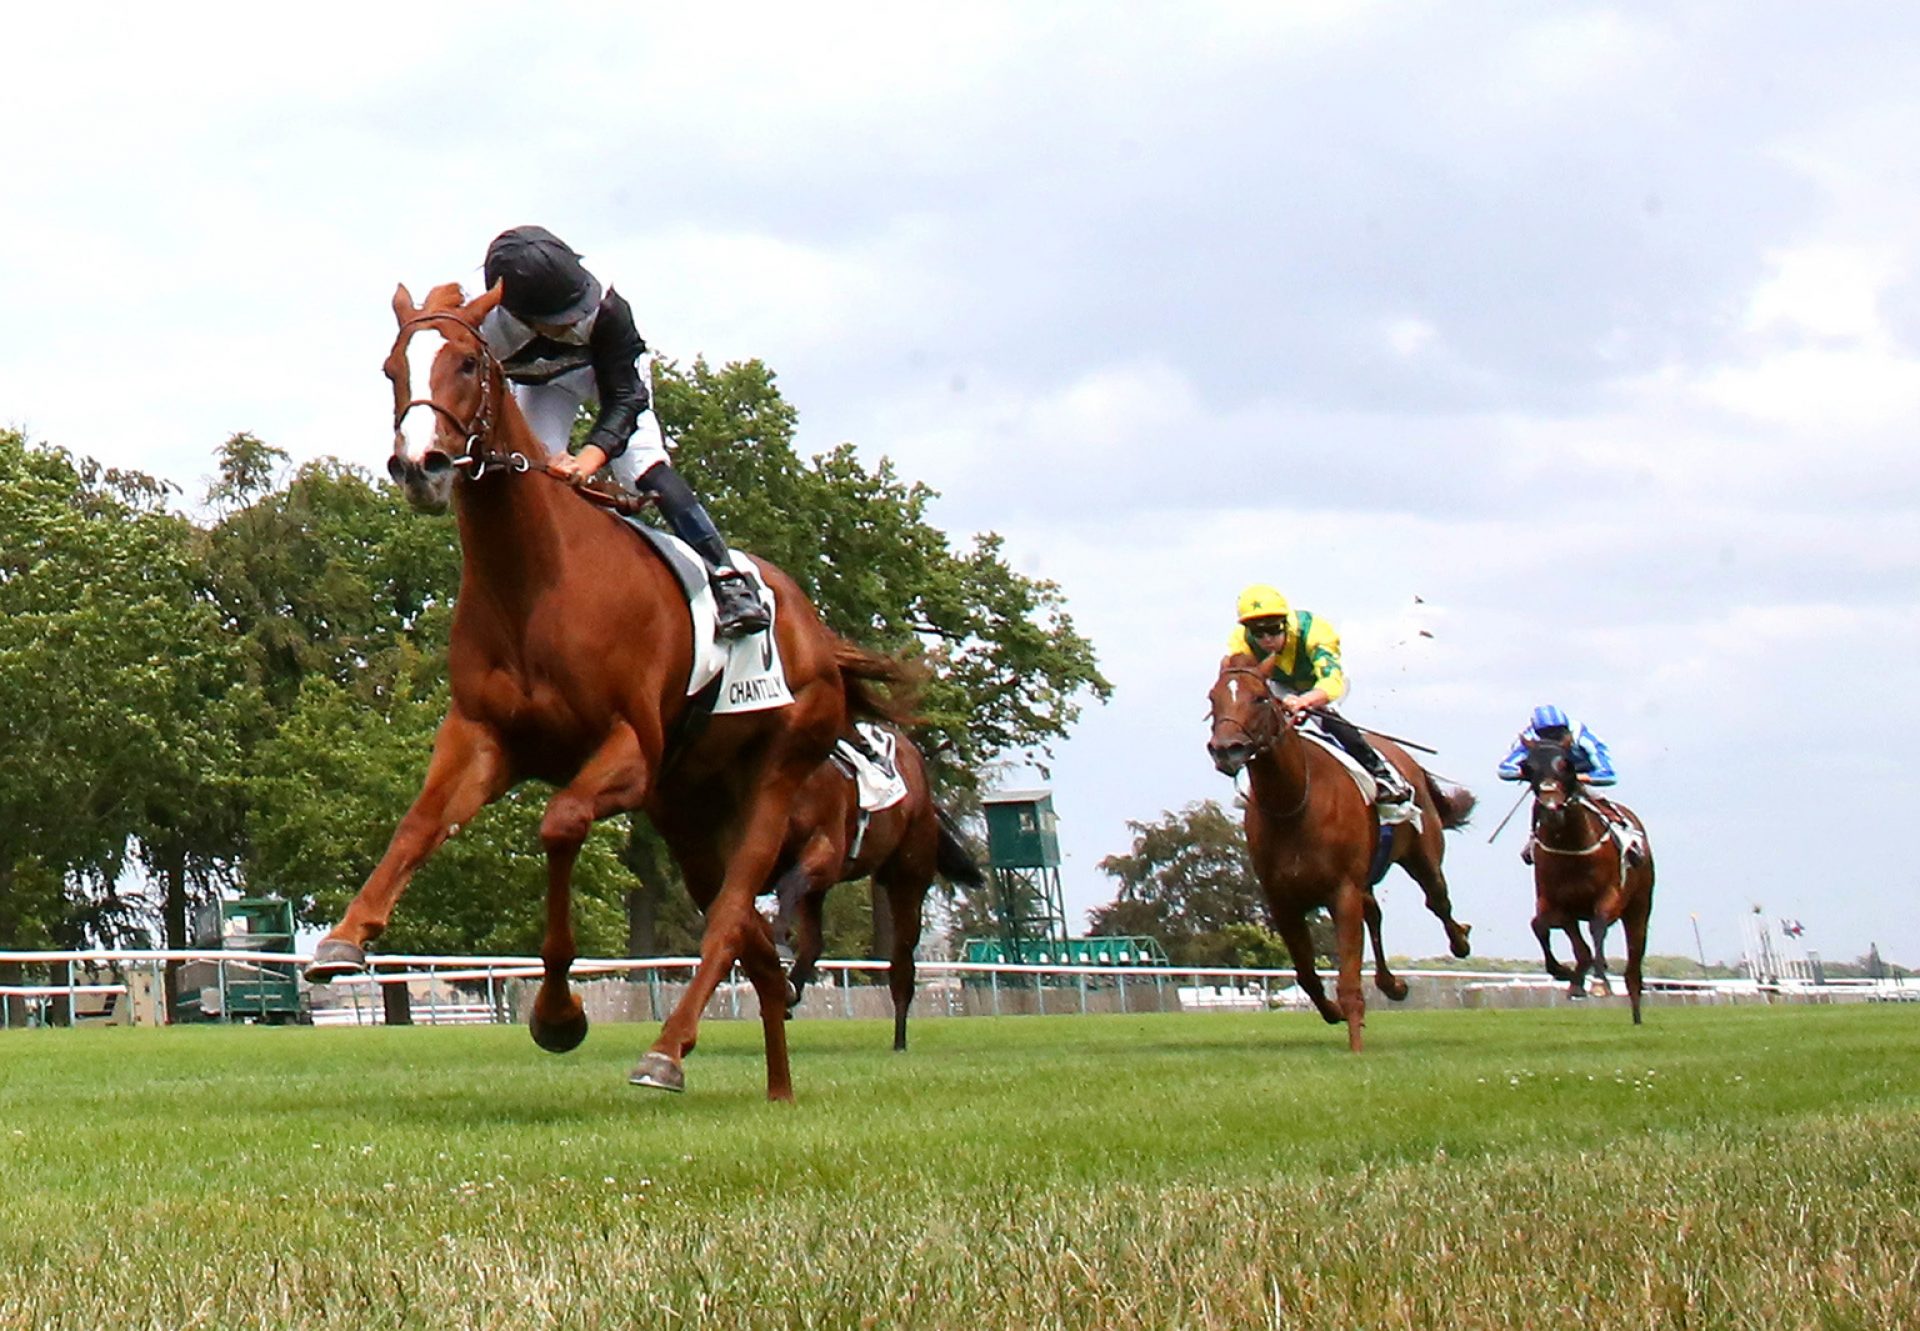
(1525, 791)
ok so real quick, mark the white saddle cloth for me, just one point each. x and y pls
(1369, 788)
(880, 785)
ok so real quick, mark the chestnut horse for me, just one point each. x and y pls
(1580, 873)
(900, 847)
(569, 662)
(1312, 836)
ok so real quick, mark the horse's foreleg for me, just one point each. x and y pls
(1384, 979)
(807, 943)
(467, 772)
(1582, 961)
(1349, 923)
(1298, 937)
(1544, 932)
(1598, 929)
(614, 779)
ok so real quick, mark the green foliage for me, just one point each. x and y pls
(1008, 666)
(120, 698)
(328, 791)
(1187, 882)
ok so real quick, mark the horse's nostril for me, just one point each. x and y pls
(436, 463)
(396, 468)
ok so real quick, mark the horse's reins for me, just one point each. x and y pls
(475, 432)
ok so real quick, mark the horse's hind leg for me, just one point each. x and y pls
(1423, 866)
(1635, 921)
(735, 931)
(908, 901)
(1384, 979)
(1299, 940)
(613, 779)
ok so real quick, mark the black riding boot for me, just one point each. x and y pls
(737, 605)
(1393, 787)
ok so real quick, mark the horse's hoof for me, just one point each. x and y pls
(558, 1037)
(1458, 941)
(1577, 992)
(655, 1069)
(793, 997)
(333, 958)
(1395, 992)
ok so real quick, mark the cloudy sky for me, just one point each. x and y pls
(1595, 328)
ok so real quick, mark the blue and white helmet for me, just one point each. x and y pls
(1549, 717)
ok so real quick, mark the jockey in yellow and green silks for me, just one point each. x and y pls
(1309, 678)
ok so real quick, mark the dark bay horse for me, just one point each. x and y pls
(900, 847)
(569, 661)
(1311, 836)
(1580, 874)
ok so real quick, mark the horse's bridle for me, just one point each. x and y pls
(1574, 799)
(1266, 736)
(476, 431)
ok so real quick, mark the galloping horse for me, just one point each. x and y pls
(1312, 836)
(569, 662)
(900, 848)
(1580, 873)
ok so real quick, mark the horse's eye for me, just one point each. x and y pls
(469, 365)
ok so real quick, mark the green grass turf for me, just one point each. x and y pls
(1714, 1168)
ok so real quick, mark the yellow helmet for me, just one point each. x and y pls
(1262, 602)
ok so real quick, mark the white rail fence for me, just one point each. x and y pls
(127, 987)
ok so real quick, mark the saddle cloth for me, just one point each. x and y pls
(752, 678)
(1369, 788)
(880, 785)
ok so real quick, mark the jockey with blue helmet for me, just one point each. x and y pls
(1309, 679)
(1550, 725)
(564, 341)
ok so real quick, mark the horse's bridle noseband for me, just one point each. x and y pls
(1268, 708)
(475, 431)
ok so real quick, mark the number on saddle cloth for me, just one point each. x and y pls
(751, 675)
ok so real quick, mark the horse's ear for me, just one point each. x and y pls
(482, 304)
(403, 306)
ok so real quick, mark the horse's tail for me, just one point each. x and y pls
(1454, 803)
(861, 670)
(953, 857)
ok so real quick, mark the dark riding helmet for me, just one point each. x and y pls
(545, 280)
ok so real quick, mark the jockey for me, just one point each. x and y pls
(1592, 764)
(1549, 725)
(1308, 670)
(563, 341)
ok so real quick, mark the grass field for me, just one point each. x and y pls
(1715, 1168)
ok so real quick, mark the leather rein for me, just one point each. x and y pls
(478, 459)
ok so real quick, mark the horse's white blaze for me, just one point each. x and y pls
(421, 423)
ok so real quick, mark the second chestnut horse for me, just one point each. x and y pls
(1312, 836)
(1583, 875)
(901, 847)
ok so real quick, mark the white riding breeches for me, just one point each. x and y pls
(552, 407)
